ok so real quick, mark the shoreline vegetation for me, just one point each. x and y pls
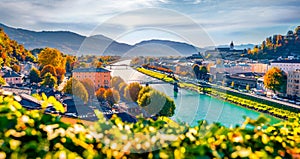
(279, 111)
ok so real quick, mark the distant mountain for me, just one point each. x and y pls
(71, 43)
(66, 41)
(167, 48)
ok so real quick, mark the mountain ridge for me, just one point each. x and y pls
(73, 43)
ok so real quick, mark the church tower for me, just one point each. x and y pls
(231, 45)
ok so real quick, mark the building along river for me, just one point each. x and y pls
(192, 106)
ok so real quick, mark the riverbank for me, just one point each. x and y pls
(243, 100)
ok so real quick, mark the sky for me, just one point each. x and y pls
(200, 22)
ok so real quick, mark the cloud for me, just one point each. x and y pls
(217, 17)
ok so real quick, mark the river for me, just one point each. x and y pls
(192, 106)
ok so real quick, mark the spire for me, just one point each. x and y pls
(231, 45)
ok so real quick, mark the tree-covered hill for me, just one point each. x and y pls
(11, 52)
(278, 45)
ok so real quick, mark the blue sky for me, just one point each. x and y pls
(197, 21)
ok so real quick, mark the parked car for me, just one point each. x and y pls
(291, 101)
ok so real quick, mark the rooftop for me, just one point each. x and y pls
(90, 70)
(11, 74)
(286, 61)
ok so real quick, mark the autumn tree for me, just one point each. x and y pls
(49, 80)
(115, 82)
(122, 87)
(144, 90)
(60, 73)
(89, 86)
(132, 91)
(34, 76)
(100, 94)
(76, 88)
(247, 87)
(16, 68)
(275, 79)
(48, 69)
(232, 84)
(2, 81)
(51, 56)
(112, 96)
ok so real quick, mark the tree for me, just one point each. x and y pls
(50, 56)
(100, 94)
(247, 87)
(156, 103)
(202, 72)
(69, 63)
(34, 76)
(2, 81)
(48, 69)
(112, 96)
(122, 87)
(76, 88)
(89, 86)
(60, 73)
(1, 62)
(132, 91)
(115, 82)
(232, 84)
(16, 68)
(275, 79)
(143, 91)
(196, 70)
(49, 80)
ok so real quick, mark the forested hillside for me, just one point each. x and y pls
(278, 45)
(12, 53)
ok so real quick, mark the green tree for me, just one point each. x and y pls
(202, 72)
(34, 76)
(196, 70)
(132, 91)
(48, 69)
(156, 103)
(69, 63)
(49, 80)
(275, 79)
(112, 96)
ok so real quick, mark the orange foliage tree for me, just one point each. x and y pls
(275, 79)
